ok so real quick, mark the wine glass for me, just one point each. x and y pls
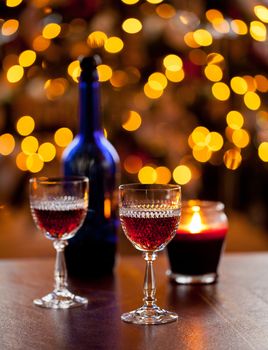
(59, 207)
(149, 216)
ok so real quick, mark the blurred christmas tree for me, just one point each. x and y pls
(184, 88)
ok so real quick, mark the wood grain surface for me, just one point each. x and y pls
(229, 315)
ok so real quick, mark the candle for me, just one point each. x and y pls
(194, 253)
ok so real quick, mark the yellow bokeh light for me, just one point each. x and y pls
(15, 73)
(132, 164)
(214, 141)
(132, 25)
(96, 39)
(105, 72)
(235, 120)
(29, 145)
(40, 43)
(262, 83)
(257, 31)
(199, 135)
(239, 85)
(154, 1)
(240, 138)
(130, 2)
(157, 81)
(51, 30)
(10, 27)
(47, 151)
(213, 14)
(252, 100)
(133, 121)
(263, 151)
(7, 144)
(203, 37)
(55, 88)
(182, 174)
(27, 58)
(261, 12)
(113, 44)
(13, 3)
(63, 137)
(165, 11)
(152, 93)
(190, 40)
(172, 62)
(74, 70)
(21, 161)
(34, 163)
(239, 27)
(232, 159)
(215, 58)
(147, 175)
(213, 72)
(221, 91)
(201, 154)
(25, 125)
(175, 76)
(163, 175)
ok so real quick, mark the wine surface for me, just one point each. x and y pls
(59, 218)
(149, 229)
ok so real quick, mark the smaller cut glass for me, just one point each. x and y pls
(59, 207)
(149, 216)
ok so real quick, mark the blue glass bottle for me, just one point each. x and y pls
(92, 251)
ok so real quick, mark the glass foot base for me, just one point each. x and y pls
(60, 300)
(193, 279)
(149, 315)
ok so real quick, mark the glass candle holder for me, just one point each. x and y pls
(195, 251)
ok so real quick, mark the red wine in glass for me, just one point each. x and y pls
(59, 219)
(149, 230)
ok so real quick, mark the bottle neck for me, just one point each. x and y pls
(89, 112)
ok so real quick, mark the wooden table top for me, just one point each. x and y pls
(232, 314)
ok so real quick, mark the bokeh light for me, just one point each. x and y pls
(147, 175)
(175, 76)
(51, 30)
(252, 100)
(63, 137)
(232, 159)
(27, 58)
(96, 39)
(151, 93)
(239, 85)
(130, 2)
(34, 163)
(21, 159)
(7, 144)
(157, 81)
(214, 141)
(40, 43)
(113, 45)
(25, 125)
(221, 91)
(165, 11)
(47, 151)
(201, 153)
(203, 37)
(263, 151)
(235, 120)
(261, 12)
(13, 3)
(182, 174)
(257, 31)
(132, 25)
(133, 121)
(240, 138)
(29, 145)
(239, 27)
(163, 175)
(15, 73)
(105, 72)
(213, 72)
(132, 164)
(10, 27)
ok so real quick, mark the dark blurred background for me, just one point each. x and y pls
(184, 100)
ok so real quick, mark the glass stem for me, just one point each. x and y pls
(149, 286)
(60, 272)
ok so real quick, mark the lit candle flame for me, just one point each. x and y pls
(195, 225)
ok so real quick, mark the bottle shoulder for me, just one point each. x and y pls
(97, 148)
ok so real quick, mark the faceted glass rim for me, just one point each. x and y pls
(44, 180)
(149, 187)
